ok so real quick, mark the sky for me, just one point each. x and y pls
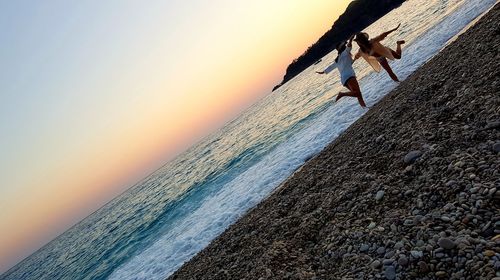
(95, 95)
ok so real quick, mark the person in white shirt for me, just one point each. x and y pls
(343, 63)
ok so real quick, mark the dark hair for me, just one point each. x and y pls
(363, 42)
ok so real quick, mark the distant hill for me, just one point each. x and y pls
(358, 15)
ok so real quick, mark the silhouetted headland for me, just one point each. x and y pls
(358, 15)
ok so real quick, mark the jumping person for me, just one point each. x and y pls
(343, 63)
(377, 54)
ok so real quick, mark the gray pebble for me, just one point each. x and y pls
(451, 183)
(420, 203)
(387, 261)
(381, 250)
(379, 195)
(496, 147)
(441, 274)
(403, 260)
(390, 272)
(398, 245)
(389, 254)
(492, 191)
(364, 248)
(412, 156)
(408, 222)
(445, 219)
(446, 243)
(376, 264)
(492, 125)
(416, 254)
(394, 228)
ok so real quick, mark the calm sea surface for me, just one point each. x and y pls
(160, 223)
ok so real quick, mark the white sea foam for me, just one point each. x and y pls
(218, 210)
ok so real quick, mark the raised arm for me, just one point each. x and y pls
(383, 35)
(356, 56)
(349, 43)
(328, 69)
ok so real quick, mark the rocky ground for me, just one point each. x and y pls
(410, 191)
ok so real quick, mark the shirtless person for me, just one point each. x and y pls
(377, 54)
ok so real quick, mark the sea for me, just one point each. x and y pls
(149, 231)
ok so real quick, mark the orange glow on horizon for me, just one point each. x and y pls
(162, 106)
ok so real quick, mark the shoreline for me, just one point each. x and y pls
(410, 190)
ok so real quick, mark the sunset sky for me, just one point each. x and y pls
(94, 95)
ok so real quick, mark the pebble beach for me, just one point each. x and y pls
(409, 191)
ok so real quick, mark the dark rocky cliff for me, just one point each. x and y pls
(358, 15)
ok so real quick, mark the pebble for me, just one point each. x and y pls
(387, 262)
(398, 245)
(394, 228)
(441, 274)
(376, 264)
(420, 203)
(403, 260)
(446, 243)
(496, 147)
(381, 250)
(451, 183)
(364, 248)
(492, 125)
(412, 156)
(408, 222)
(424, 268)
(390, 272)
(445, 219)
(389, 254)
(416, 254)
(440, 214)
(492, 191)
(489, 253)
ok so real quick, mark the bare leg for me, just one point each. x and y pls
(398, 53)
(341, 94)
(353, 86)
(398, 48)
(385, 65)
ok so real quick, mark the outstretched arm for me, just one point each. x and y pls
(349, 43)
(383, 35)
(328, 69)
(357, 56)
